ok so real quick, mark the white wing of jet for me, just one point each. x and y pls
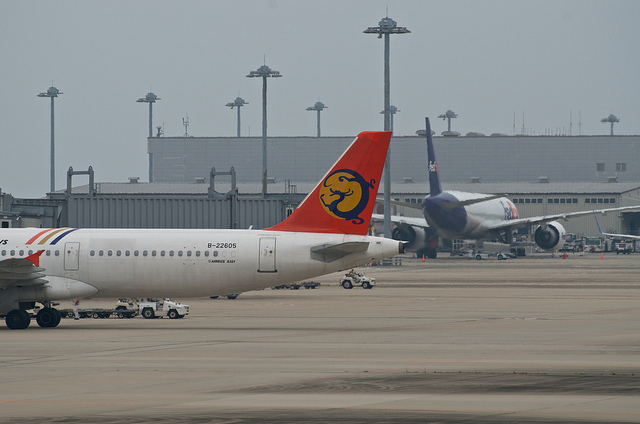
(397, 219)
(21, 271)
(628, 236)
(513, 223)
(523, 222)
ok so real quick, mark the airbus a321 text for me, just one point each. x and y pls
(326, 233)
(473, 216)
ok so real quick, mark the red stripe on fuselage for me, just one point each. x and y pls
(32, 239)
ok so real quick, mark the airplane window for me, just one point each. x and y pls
(145, 253)
(48, 252)
(22, 253)
(110, 253)
(127, 253)
(13, 253)
(119, 253)
(135, 253)
(30, 252)
(206, 253)
(198, 253)
(92, 253)
(162, 253)
(4, 253)
(170, 252)
(57, 253)
(100, 253)
(153, 253)
(179, 252)
(188, 252)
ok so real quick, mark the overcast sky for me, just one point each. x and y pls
(485, 60)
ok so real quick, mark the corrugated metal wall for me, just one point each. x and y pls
(118, 212)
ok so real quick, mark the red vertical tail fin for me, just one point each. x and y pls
(343, 200)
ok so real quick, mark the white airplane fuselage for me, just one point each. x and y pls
(178, 263)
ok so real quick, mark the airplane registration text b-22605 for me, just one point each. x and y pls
(221, 245)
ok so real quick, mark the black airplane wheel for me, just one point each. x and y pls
(47, 317)
(17, 319)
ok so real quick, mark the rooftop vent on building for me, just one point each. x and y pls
(612, 180)
(199, 180)
(543, 180)
(134, 180)
(475, 179)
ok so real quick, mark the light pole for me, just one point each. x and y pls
(448, 115)
(151, 99)
(392, 111)
(238, 103)
(387, 26)
(53, 93)
(264, 72)
(318, 106)
(611, 118)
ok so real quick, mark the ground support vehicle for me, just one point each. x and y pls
(98, 313)
(153, 308)
(297, 286)
(624, 248)
(292, 286)
(353, 279)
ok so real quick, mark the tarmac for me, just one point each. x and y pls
(451, 340)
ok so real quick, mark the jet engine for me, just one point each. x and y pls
(413, 237)
(550, 236)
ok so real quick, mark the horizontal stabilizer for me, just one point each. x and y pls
(333, 252)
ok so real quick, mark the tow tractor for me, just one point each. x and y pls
(353, 278)
(154, 308)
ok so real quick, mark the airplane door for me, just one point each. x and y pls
(267, 259)
(71, 256)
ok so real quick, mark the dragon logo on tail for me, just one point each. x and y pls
(344, 194)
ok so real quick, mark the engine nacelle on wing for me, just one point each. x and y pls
(550, 236)
(413, 237)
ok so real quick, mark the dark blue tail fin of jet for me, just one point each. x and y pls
(434, 180)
